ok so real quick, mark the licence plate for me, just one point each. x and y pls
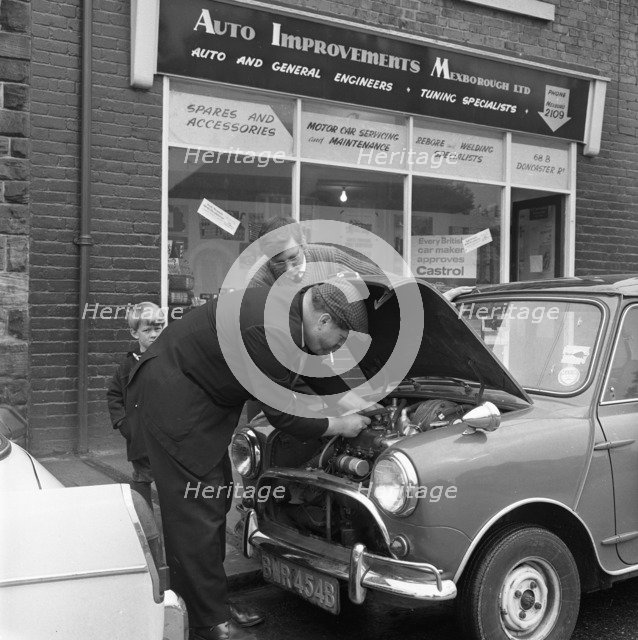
(313, 586)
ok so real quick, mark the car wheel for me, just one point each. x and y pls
(523, 584)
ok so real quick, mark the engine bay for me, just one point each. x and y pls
(314, 510)
(313, 507)
(353, 458)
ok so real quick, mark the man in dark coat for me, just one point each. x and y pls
(188, 401)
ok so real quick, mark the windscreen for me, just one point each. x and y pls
(547, 345)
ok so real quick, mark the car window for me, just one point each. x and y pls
(547, 345)
(622, 380)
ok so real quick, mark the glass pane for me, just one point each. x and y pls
(443, 214)
(371, 201)
(212, 117)
(247, 189)
(547, 345)
(350, 135)
(536, 239)
(623, 375)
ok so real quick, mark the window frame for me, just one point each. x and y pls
(408, 172)
(596, 348)
(630, 307)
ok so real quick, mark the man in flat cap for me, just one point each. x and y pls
(187, 399)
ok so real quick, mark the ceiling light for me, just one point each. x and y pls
(344, 196)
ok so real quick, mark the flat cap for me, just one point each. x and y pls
(335, 295)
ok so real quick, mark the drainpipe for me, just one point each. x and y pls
(84, 240)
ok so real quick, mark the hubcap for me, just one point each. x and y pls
(530, 600)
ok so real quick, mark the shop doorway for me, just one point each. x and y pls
(537, 238)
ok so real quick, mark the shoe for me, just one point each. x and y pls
(244, 616)
(224, 631)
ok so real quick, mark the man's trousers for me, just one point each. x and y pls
(193, 511)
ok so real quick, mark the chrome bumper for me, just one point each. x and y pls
(365, 570)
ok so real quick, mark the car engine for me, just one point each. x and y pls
(354, 457)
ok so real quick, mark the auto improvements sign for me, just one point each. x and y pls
(255, 48)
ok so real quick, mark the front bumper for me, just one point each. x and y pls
(365, 570)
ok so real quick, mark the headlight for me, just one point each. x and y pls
(394, 484)
(245, 453)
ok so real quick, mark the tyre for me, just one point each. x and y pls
(522, 584)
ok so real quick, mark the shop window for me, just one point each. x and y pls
(368, 200)
(231, 148)
(444, 214)
(239, 149)
(200, 251)
(345, 134)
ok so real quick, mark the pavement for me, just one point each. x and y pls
(113, 467)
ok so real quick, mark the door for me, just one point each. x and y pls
(618, 414)
(537, 252)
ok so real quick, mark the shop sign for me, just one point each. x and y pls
(442, 257)
(243, 46)
(204, 122)
(441, 152)
(363, 142)
(533, 166)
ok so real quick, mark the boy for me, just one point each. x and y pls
(146, 321)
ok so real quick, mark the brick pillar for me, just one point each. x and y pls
(15, 55)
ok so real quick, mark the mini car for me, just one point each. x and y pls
(500, 473)
(81, 562)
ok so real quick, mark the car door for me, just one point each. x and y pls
(618, 415)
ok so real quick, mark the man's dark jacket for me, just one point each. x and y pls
(186, 395)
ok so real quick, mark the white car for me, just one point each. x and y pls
(79, 563)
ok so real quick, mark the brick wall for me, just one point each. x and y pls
(15, 52)
(127, 147)
(607, 205)
(126, 189)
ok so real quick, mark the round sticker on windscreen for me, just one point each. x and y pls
(568, 376)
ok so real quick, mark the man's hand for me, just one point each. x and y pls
(347, 426)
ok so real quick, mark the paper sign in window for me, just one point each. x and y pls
(218, 216)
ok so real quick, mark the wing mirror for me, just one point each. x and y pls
(485, 417)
